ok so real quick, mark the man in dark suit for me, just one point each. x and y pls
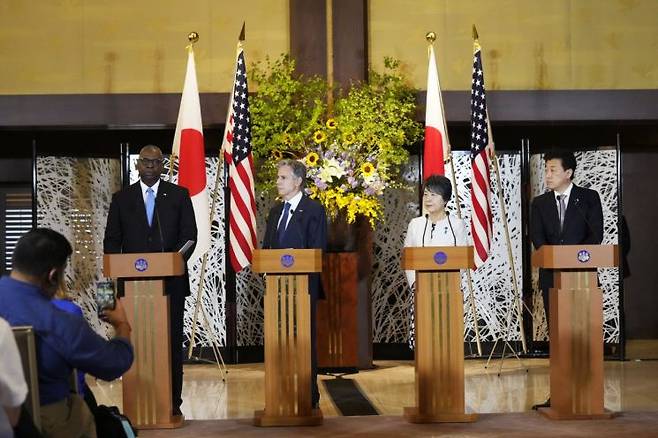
(299, 222)
(153, 215)
(565, 215)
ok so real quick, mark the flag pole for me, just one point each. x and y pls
(508, 240)
(447, 156)
(213, 205)
(193, 37)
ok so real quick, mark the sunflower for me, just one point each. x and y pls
(319, 136)
(367, 169)
(277, 154)
(349, 138)
(287, 139)
(312, 159)
(331, 124)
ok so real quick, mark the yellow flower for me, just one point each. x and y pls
(278, 155)
(287, 139)
(348, 138)
(312, 159)
(331, 124)
(319, 136)
(367, 169)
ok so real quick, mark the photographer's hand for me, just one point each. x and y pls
(117, 318)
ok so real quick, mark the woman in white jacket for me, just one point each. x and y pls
(436, 227)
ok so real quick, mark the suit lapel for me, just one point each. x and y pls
(571, 213)
(553, 213)
(299, 212)
(138, 202)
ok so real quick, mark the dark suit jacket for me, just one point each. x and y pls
(307, 229)
(583, 223)
(127, 229)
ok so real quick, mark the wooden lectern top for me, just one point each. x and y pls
(438, 258)
(145, 264)
(287, 261)
(576, 256)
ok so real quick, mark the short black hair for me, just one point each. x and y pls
(39, 251)
(567, 159)
(440, 185)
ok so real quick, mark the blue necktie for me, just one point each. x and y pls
(284, 222)
(150, 205)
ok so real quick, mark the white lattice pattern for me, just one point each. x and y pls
(73, 198)
(492, 283)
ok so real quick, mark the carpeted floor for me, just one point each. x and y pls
(629, 424)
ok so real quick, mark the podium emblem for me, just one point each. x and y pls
(440, 257)
(287, 260)
(141, 265)
(584, 256)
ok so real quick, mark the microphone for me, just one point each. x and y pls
(432, 231)
(454, 238)
(427, 219)
(576, 203)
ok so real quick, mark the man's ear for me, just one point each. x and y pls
(53, 277)
(570, 173)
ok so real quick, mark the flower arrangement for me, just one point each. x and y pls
(353, 147)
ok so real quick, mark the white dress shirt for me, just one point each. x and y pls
(434, 234)
(13, 388)
(154, 187)
(567, 196)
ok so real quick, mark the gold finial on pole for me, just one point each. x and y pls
(242, 36)
(430, 37)
(193, 37)
(475, 33)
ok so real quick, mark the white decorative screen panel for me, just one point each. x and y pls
(73, 198)
(492, 283)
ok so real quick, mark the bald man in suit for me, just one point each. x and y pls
(153, 215)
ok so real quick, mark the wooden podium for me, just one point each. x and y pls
(147, 385)
(287, 336)
(439, 323)
(576, 328)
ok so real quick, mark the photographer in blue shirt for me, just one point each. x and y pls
(63, 341)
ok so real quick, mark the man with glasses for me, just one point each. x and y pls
(153, 215)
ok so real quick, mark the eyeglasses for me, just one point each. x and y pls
(147, 161)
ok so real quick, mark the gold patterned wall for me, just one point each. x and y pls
(122, 46)
(528, 44)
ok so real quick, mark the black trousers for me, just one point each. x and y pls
(176, 311)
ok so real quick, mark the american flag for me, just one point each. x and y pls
(239, 158)
(480, 181)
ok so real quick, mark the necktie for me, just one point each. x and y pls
(150, 205)
(284, 222)
(563, 208)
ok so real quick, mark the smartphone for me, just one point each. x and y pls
(105, 296)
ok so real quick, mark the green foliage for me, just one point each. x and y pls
(368, 125)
